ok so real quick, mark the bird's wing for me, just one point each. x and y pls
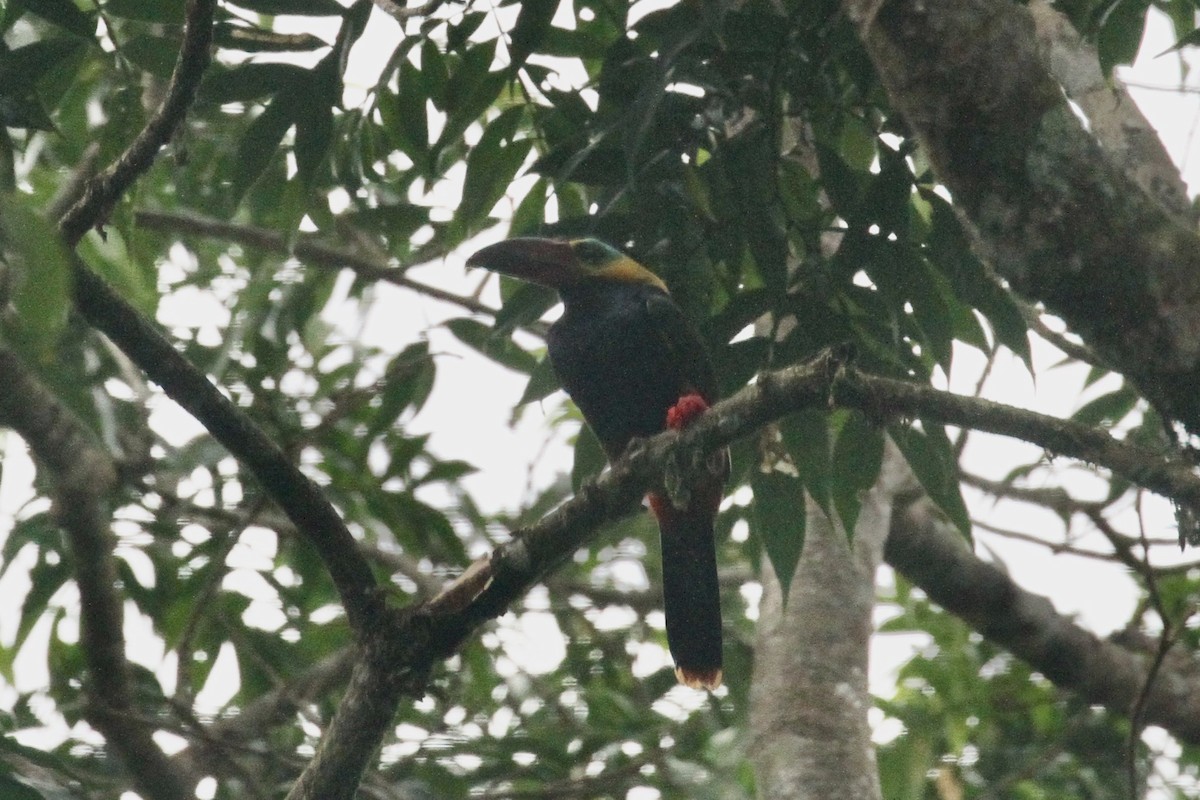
(684, 346)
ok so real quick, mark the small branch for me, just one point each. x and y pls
(400, 651)
(83, 475)
(104, 190)
(291, 489)
(273, 708)
(1054, 498)
(930, 552)
(306, 248)
(884, 398)
(1079, 352)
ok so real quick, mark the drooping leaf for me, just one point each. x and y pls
(162, 12)
(41, 281)
(1120, 33)
(501, 349)
(931, 457)
(261, 141)
(307, 8)
(779, 521)
(806, 437)
(492, 164)
(542, 383)
(66, 15)
(589, 458)
(857, 458)
(533, 21)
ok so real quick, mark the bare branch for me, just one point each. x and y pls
(929, 552)
(104, 190)
(306, 248)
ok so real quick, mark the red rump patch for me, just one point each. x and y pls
(660, 505)
(685, 411)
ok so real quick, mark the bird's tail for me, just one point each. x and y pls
(691, 593)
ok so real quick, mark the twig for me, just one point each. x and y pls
(305, 248)
(104, 190)
(291, 489)
(204, 597)
(1078, 352)
(930, 552)
(1054, 498)
(1166, 640)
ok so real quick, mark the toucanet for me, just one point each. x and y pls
(635, 366)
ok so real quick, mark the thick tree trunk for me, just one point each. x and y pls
(808, 705)
(1049, 209)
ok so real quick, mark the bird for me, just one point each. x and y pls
(635, 366)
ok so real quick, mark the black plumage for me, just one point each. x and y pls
(627, 356)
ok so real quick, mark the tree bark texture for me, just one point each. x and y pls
(1051, 213)
(809, 735)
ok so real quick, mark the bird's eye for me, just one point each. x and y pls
(591, 251)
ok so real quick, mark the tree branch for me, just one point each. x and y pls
(397, 656)
(83, 475)
(182, 382)
(1051, 212)
(489, 586)
(305, 248)
(929, 552)
(104, 190)
(1115, 119)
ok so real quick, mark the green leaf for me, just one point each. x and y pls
(501, 349)
(305, 8)
(404, 114)
(258, 146)
(314, 136)
(46, 579)
(806, 437)
(589, 458)
(66, 15)
(931, 457)
(533, 21)
(41, 280)
(163, 12)
(530, 216)
(15, 788)
(249, 81)
(542, 383)
(1108, 409)
(492, 164)
(1120, 33)
(154, 54)
(469, 92)
(524, 305)
(23, 111)
(857, 458)
(779, 521)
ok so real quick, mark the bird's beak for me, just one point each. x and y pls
(545, 261)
